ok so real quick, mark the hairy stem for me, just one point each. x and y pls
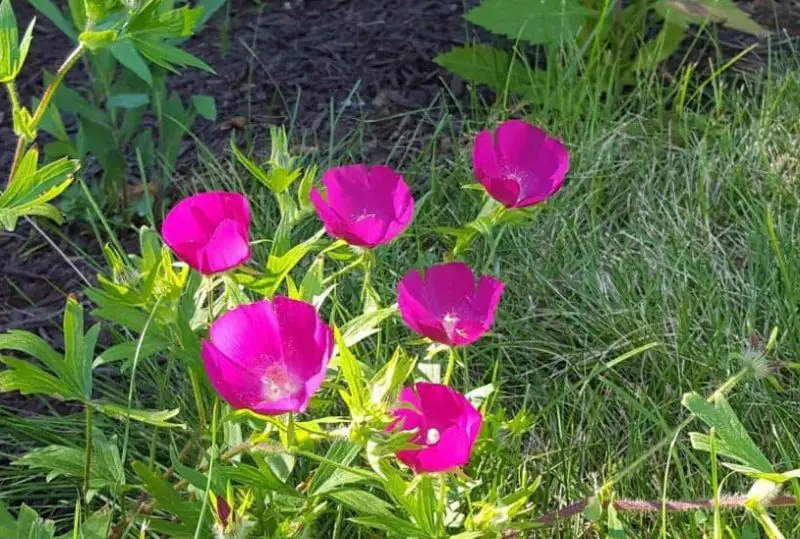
(655, 506)
(451, 366)
(87, 472)
(47, 98)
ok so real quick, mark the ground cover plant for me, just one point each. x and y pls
(481, 345)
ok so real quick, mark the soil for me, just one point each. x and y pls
(277, 63)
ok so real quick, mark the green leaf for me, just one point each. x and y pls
(538, 21)
(724, 12)
(205, 107)
(97, 39)
(167, 498)
(128, 101)
(389, 380)
(773, 477)
(257, 172)
(28, 524)
(168, 56)
(58, 461)
(125, 351)
(351, 370)
(54, 14)
(392, 524)
(209, 7)
(488, 65)
(735, 441)
(362, 502)
(365, 325)
(126, 54)
(31, 380)
(261, 477)
(158, 418)
(77, 358)
(615, 528)
(329, 476)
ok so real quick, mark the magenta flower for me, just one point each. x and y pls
(268, 357)
(210, 231)
(364, 205)
(447, 426)
(519, 165)
(446, 305)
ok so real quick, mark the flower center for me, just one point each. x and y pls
(518, 177)
(450, 323)
(365, 214)
(432, 437)
(278, 383)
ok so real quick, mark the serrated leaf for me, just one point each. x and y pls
(488, 65)
(31, 380)
(70, 462)
(737, 442)
(537, 21)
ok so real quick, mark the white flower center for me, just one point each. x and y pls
(432, 437)
(278, 383)
(365, 214)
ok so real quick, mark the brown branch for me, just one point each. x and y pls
(656, 506)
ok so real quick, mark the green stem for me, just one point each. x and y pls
(451, 366)
(87, 472)
(47, 98)
(351, 266)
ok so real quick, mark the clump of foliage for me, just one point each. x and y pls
(616, 43)
(129, 49)
(291, 432)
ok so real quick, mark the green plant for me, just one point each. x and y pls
(237, 473)
(127, 119)
(611, 40)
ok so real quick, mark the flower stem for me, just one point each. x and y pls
(47, 98)
(451, 365)
(87, 472)
(351, 266)
(655, 506)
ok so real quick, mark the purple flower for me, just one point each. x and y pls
(364, 205)
(446, 305)
(519, 165)
(447, 426)
(210, 231)
(268, 357)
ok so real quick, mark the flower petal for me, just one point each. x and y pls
(227, 248)
(487, 298)
(233, 382)
(249, 334)
(484, 158)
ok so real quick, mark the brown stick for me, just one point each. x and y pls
(656, 506)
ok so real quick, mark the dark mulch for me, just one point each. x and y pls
(281, 62)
